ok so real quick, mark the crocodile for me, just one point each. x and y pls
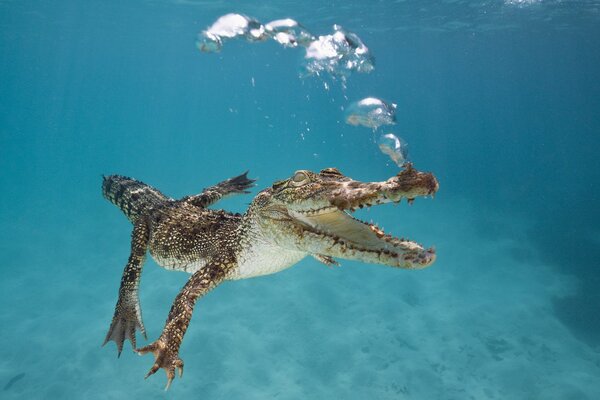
(308, 214)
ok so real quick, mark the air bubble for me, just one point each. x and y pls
(394, 147)
(371, 112)
(230, 26)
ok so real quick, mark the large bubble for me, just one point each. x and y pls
(394, 147)
(338, 54)
(230, 26)
(371, 112)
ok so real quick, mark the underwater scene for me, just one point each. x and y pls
(477, 123)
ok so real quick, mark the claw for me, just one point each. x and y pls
(153, 370)
(179, 366)
(163, 359)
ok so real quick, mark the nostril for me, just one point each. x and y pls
(426, 258)
(429, 256)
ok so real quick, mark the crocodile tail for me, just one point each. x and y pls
(131, 196)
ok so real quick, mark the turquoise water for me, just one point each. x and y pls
(499, 99)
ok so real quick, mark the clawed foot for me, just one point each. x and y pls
(164, 357)
(123, 326)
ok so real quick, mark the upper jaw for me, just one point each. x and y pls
(408, 183)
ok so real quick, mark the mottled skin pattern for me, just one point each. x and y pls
(307, 214)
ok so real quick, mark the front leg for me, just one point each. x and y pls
(209, 196)
(128, 314)
(166, 347)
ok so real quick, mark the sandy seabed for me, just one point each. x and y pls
(479, 324)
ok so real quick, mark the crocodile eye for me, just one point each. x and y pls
(300, 178)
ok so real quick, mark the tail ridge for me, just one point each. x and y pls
(133, 197)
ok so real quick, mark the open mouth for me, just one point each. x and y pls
(355, 239)
(322, 224)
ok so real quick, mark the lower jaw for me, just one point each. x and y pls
(412, 260)
(404, 254)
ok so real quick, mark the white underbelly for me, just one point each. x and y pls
(176, 264)
(263, 260)
(267, 260)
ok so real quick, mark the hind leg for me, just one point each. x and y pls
(128, 314)
(166, 347)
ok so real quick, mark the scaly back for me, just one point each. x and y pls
(131, 196)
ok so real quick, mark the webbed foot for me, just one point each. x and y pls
(126, 320)
(238, 184)
(166, 357)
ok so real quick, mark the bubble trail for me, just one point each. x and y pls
(338, 54)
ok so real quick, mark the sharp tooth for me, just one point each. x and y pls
(377, 231)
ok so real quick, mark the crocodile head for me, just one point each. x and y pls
(311, 212)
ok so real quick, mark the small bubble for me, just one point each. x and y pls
(394, 147)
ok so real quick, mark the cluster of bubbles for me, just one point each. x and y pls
(337, 54)
(373, 113)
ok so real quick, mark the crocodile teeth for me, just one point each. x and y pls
(378, 232)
